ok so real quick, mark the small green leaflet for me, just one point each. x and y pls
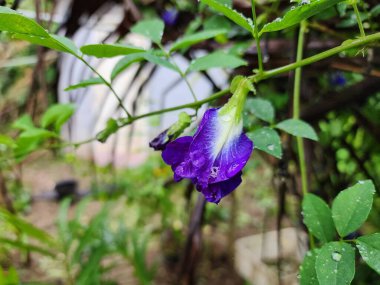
(351, 207)
(23, 123)
(308, 275)
(109, 50)
(111, 128)
(152, 29)
(261, 108)
(369, 248)
(230, 13)
(317, 217)
(335, 264)
(125, 62)
(267, 140)
(297, 14)
(57, 115)
(85, 83)
(298, 128)
(195, 38)
(216, 59)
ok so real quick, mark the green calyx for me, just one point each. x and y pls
(240, 87)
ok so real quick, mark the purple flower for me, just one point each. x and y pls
(214, 157)
(170, 17)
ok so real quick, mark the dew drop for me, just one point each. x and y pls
(305, 2)
(336, 256)
(361, 182)
(270, 147)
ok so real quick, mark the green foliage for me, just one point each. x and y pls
(216, 59)
(297, 14)
(85, 83)
(152, 29)
(109, 50)
(298, 128)
(189, 40)
(335, 264)
(230, 13)
(261, 108)
(351, 207)
(267, 140)
(317, 217)
(369, 249)
(56, 116)
(308, 274)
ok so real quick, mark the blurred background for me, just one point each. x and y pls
(110, 213)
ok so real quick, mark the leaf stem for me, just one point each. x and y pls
(359, 20)
(109, 85)
(318, 57)
(255, 34)
(296, 114)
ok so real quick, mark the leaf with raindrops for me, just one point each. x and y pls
(335, 264)
(369, 248)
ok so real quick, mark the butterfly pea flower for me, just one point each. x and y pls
(213, 158)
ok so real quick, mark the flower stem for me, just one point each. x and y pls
(296, 114)
(255, 34)
(359, 20)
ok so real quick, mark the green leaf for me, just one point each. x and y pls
(216, 59)
(231, 14)
(193, 39)
(152, 29)
(261, 108)
(298, 14)
(308, 275)
(109, 50)
(125, 62)
(85, 83)
(335, 264)
(298, 128)
(23, 123)
(7, 141)
(317, 217)
(159, 61)
(36, 133)
(369, 248)
(26, 227)
(267, 140)
(14, 22)
(55, 42)
(57, 115)
(24, 246)
(351, 207)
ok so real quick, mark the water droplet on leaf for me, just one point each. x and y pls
(336, 256)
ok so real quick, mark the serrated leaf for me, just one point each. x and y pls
(351, 207)
(299, 13)
(14, 22)
(261, 108)
(85, 83)
(369, 248)
(57, 115)
(298, 128)
(216, 59)
(231, 14)
(267, 140)
(109, 50)
(317, 217)
(152, 29)
(308, 275)
(193, 39)
(125, 62)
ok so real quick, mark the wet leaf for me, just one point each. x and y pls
(369, 248)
